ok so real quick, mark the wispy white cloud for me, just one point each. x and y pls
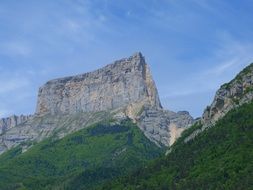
(220, 69)
(17, 92)
(229, 58)
(207, 5)
(70, 36)
(72, 25)
(11, 84)
(15, 48)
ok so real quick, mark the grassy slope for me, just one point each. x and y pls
(83, 159)
(219, 158)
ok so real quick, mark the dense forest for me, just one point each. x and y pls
(118, 156)
(82, 160)
(218, 158)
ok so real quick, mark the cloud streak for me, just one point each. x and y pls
(192, 47)
(12, 84)
(230, 57)
(15, 48)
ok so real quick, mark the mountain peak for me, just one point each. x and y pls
(126, 81)
(123, 89)
(137, 55)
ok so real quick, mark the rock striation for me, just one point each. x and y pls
(12, 121)
(124, 82)
(37, 128)
(163, 126)
(123, 89)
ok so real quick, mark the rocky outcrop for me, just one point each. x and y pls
(41, 127)
(12, 121)
(230, 95)
(124, 89)
(163, 126)
(124, 82)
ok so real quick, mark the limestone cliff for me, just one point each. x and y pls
(12, 121)
(163, 126)
(123, 89)
(127, 81)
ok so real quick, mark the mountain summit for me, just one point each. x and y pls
(127, 81)
(121, 90)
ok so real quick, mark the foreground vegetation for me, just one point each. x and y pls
(219, 158)
(98, 157)
(83, 160)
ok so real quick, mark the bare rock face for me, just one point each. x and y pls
(12, 121)
(37, 128)
(163, 126)
(230, 95)
(124, 89)
(117, 85)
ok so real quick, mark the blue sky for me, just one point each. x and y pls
(192, 46)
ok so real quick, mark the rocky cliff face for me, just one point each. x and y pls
(124, 82)
(163, 126)
(38, 128)
(124, 89)
(12, 121)
(229, 96)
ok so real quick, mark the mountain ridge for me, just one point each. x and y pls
(215, 153)
(123, 89)
(229, 96)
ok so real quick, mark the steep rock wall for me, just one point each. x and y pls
(12, 121)
(117, 85)
(124, 89)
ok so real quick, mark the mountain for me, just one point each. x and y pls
(121, 90)
(230, 95)
(74, 141)
(82, 160)
(218, 158)
(12, 121)
(215, 153)
(121, 84)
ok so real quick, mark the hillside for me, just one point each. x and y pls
(230, 95)
(218, 158)
(81, 160)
